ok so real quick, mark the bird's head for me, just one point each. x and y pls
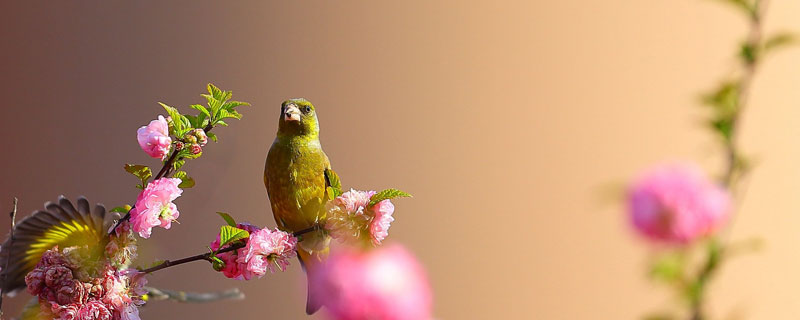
(298, 118)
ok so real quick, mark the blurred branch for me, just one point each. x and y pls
(736, 167)
(193, 297)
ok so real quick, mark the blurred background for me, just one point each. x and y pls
(508, 120)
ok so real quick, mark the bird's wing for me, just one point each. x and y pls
(60, 224)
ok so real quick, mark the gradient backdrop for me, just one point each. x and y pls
(506, 120)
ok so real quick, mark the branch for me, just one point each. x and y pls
(165, 170)
(733, 165)
(13, 215)
(194, 297)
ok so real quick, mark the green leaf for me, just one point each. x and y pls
(334, 188)
(229, 114)
(227, 218)
(176, 119)
(222, 123)
(177, 164)
(122, 209)
(212, 136)
(186, 180)
(748, 53)
(217, 263)
(668, 268)
(779, 40)
(228, 235)
(743, 5)
(386, 195)
(140, 171)
(202, 109)
(230, 105)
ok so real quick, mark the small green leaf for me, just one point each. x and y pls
(668, 268)
(122, 209)
(228, 235)
(229, 114)
(177, 164)
(386, 195)
(227, 218)
(334, 184)
(217, 263)
(222, 123)
(779, 40)
(748, 53)
(202, 109)
(186, 180)
(230, 105)
(140, 171)
(176, 118)
(212, 136)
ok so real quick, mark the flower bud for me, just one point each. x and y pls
(196, 149)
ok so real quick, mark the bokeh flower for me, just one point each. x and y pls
(351, 219)
(677, 204)
(266, 250)
(386, 283)
(154, 138)
(154, 206)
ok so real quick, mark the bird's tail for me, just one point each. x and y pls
(310, 261)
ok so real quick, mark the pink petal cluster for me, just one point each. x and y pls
(266, 250)
(386, 283)
(121, 248)
(232, 268)
(66, 293)
(676, 204)
(154, 138)
(350, 218)
(154, 207)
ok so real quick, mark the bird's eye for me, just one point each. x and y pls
(307, 109)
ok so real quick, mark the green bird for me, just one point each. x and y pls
(296, 176)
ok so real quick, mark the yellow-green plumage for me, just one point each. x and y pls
(294, 175)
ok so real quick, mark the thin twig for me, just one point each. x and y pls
(13, 215)
(193, 297)
(733, 168)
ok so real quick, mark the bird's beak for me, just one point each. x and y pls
(291, 113)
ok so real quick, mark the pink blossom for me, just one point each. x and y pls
(154, 206)
(379, 227)
(154, 138)
(351, 219)
(94, 310)
(676, 204)
(266, 250)
(386, 283)
(232, 268)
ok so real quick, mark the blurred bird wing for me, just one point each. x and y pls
(60, 224)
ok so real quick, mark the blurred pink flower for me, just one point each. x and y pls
(350, 218)
(266, 250)
(154, 206)
(386, 283)
(676, 204)
(154, 138)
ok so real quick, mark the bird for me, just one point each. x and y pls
(297, 176)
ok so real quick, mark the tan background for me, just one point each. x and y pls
(506, 120)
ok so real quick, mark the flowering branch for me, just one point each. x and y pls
(13, 215)
(208, 255)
